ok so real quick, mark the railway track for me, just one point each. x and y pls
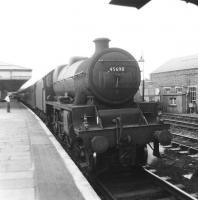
(183, 121)
(147, 184)
(139, 184)
(185, 144)
(183, 141)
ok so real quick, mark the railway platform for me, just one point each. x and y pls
(33, 165)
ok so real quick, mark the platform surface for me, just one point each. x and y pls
(33, 166)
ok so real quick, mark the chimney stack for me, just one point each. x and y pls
(101, 44)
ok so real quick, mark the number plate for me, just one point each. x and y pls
(117, 69)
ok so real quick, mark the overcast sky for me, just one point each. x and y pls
(42, 34)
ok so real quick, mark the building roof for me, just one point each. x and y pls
(181, 63)
(5, 66)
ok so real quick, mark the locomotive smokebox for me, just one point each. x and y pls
(101, 44)
(111, 76)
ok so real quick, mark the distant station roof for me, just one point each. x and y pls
(140, 3)
(13, 67)
(182, 63)
(12, 77)
(8, 71)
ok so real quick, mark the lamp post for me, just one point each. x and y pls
(141, 60)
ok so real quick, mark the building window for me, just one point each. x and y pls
(167, 90)
(157, 91)
(178, 89)
(192, 94)
(146, 92)
(172, 101)
(151, 91)
(151, 99)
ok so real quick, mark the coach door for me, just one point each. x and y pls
(43, 97)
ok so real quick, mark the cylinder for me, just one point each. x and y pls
(99, 144)
(164, 137)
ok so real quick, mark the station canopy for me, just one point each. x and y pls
(132, 3)
(140, 3)
(12, 77)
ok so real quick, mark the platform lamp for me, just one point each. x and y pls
(141, 60)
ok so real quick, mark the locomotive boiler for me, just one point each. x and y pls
(89, 104)
(111, 76)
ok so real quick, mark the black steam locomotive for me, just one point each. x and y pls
(89, 104)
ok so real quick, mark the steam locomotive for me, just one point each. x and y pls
(89, 104)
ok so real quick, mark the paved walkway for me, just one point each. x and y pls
(32, 164)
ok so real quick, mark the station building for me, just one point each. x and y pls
(12, 77)
(177, 81)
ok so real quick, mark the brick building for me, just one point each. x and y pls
(177, 81)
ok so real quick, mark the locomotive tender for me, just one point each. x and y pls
(90, 106)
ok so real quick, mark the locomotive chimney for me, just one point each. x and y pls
(101, 44)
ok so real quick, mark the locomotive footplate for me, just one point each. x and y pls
(126, 146)
(139, 134)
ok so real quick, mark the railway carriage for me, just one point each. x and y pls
(28, 96)
(89, 104)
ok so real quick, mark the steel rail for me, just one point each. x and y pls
(185, 146)
(185, 136)
(188, 125)
(105, 191)
(189, 147)
(177, 192)
(174, 192)
(179, 116)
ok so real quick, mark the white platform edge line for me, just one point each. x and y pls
(79, 179)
